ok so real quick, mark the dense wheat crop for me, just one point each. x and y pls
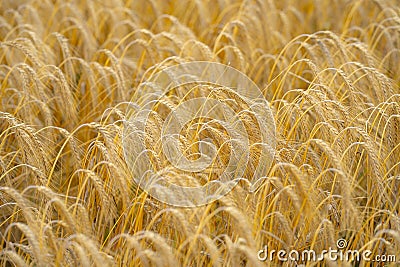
(71, 70)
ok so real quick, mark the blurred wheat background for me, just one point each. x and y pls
(69, 69)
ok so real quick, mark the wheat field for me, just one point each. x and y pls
(71, 70)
